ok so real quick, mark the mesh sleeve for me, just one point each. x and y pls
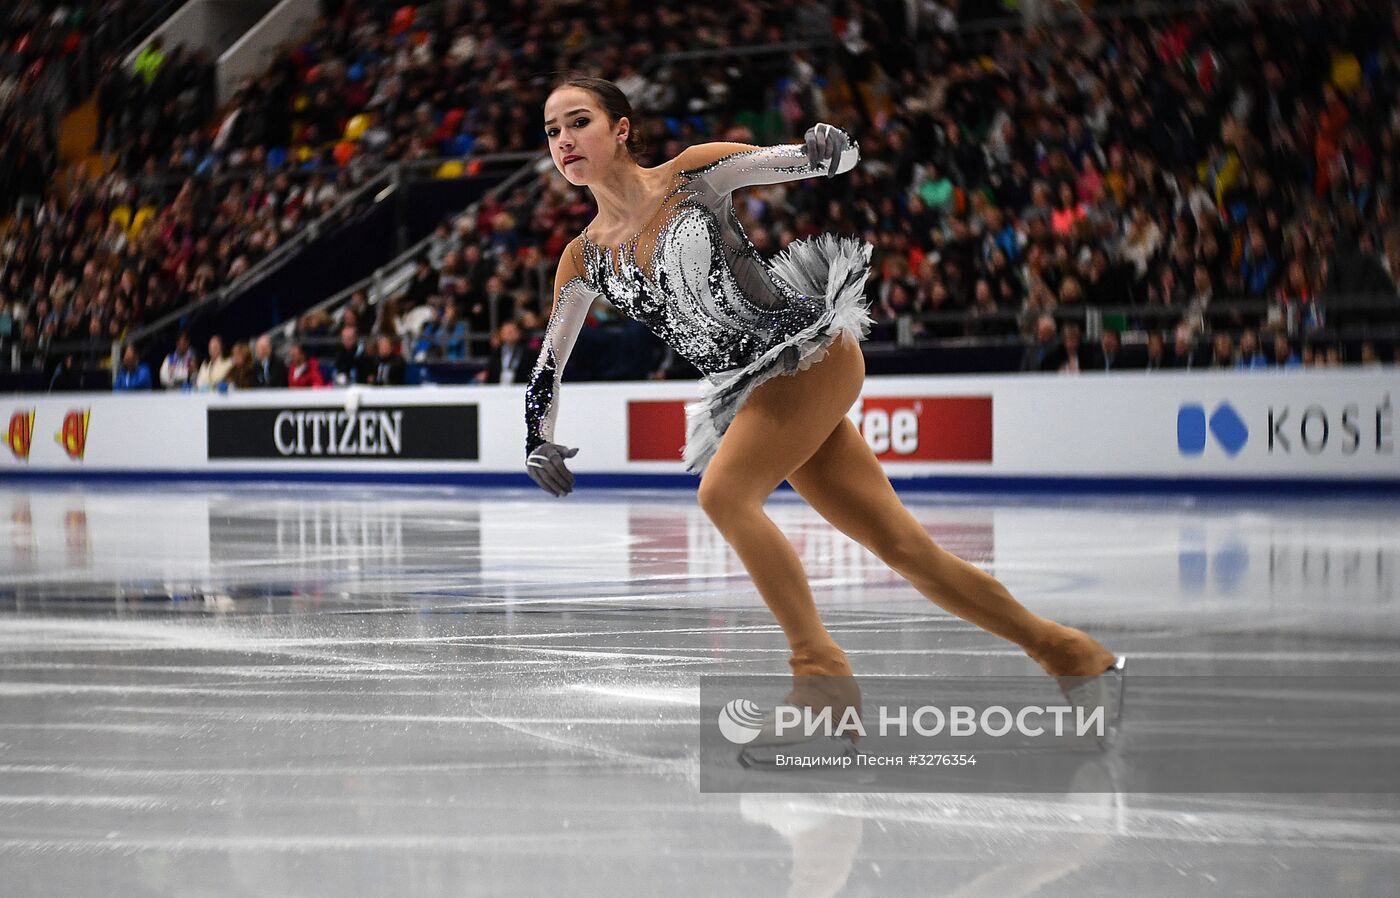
(542, 391)
(770, 165)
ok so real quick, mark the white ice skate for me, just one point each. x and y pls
(1102, 691)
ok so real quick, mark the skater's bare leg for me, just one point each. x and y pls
(783, 422)
(845, 483)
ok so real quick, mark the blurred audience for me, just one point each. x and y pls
(1015, 180)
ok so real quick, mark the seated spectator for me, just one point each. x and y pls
(1071, 300)
(133, 373)
(7, 326)
(214, 372)
(1142, 242)
(303, 371)
(1037, 353)
(180, 367)
(28, 353)
(936, 190)
(511, 360)
(422, 285)
(358, 313)
(368, 366)
(1067, 213)
(485, 310)
(1070, 356)
(347, 356)
(1108, 355)
(390, 369)
(442, 338)
(240, 374)
(985, 318)
(1156, 359)
(1251, 356)
(391, 318)
(1222, 352)
(1284, 355)
(268, 369)
(1295, 298)
(314, 325)
(1258, 266)
(67, 377)
(1183, 355)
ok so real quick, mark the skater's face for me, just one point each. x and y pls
(582, 141)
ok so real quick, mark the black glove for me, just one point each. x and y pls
(546, 467)
(825, 144)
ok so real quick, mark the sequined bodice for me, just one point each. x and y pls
(694, 278)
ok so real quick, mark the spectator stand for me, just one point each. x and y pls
(49, 60)
(312, 328)
(1124, 215)
(381, 200)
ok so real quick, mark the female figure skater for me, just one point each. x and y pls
(779, 343)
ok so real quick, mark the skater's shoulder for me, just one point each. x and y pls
(703, 155)
(570, 263)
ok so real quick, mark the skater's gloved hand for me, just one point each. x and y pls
(825, 144)
(546, 467)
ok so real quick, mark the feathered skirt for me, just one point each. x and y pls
(831, 267)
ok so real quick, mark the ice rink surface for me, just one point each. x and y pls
(334, 691)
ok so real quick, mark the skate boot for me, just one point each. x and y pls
(1103, 691)
(811, 697)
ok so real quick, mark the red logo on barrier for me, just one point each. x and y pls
(655, 430)
(20, 436)
(942, 428)
(939, 428)
(73, 436)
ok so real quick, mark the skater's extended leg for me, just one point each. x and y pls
(844, 483)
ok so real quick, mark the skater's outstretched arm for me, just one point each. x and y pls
(726, 167)
(572, 300)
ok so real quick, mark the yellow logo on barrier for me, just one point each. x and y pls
(73, 436)
(20, 436)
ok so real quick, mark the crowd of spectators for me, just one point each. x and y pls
(1153, 167)
(49, 57)
(88, 263)
(88, 267)
(367, 361)
(80, 263)
(1159, 170)
(196, 198)
(151, 113)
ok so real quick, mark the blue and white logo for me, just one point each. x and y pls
(1225, 424)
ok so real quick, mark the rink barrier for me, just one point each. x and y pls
(1020, 485)
(1313, 431)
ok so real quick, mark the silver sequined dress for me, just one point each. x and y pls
(693, 277)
